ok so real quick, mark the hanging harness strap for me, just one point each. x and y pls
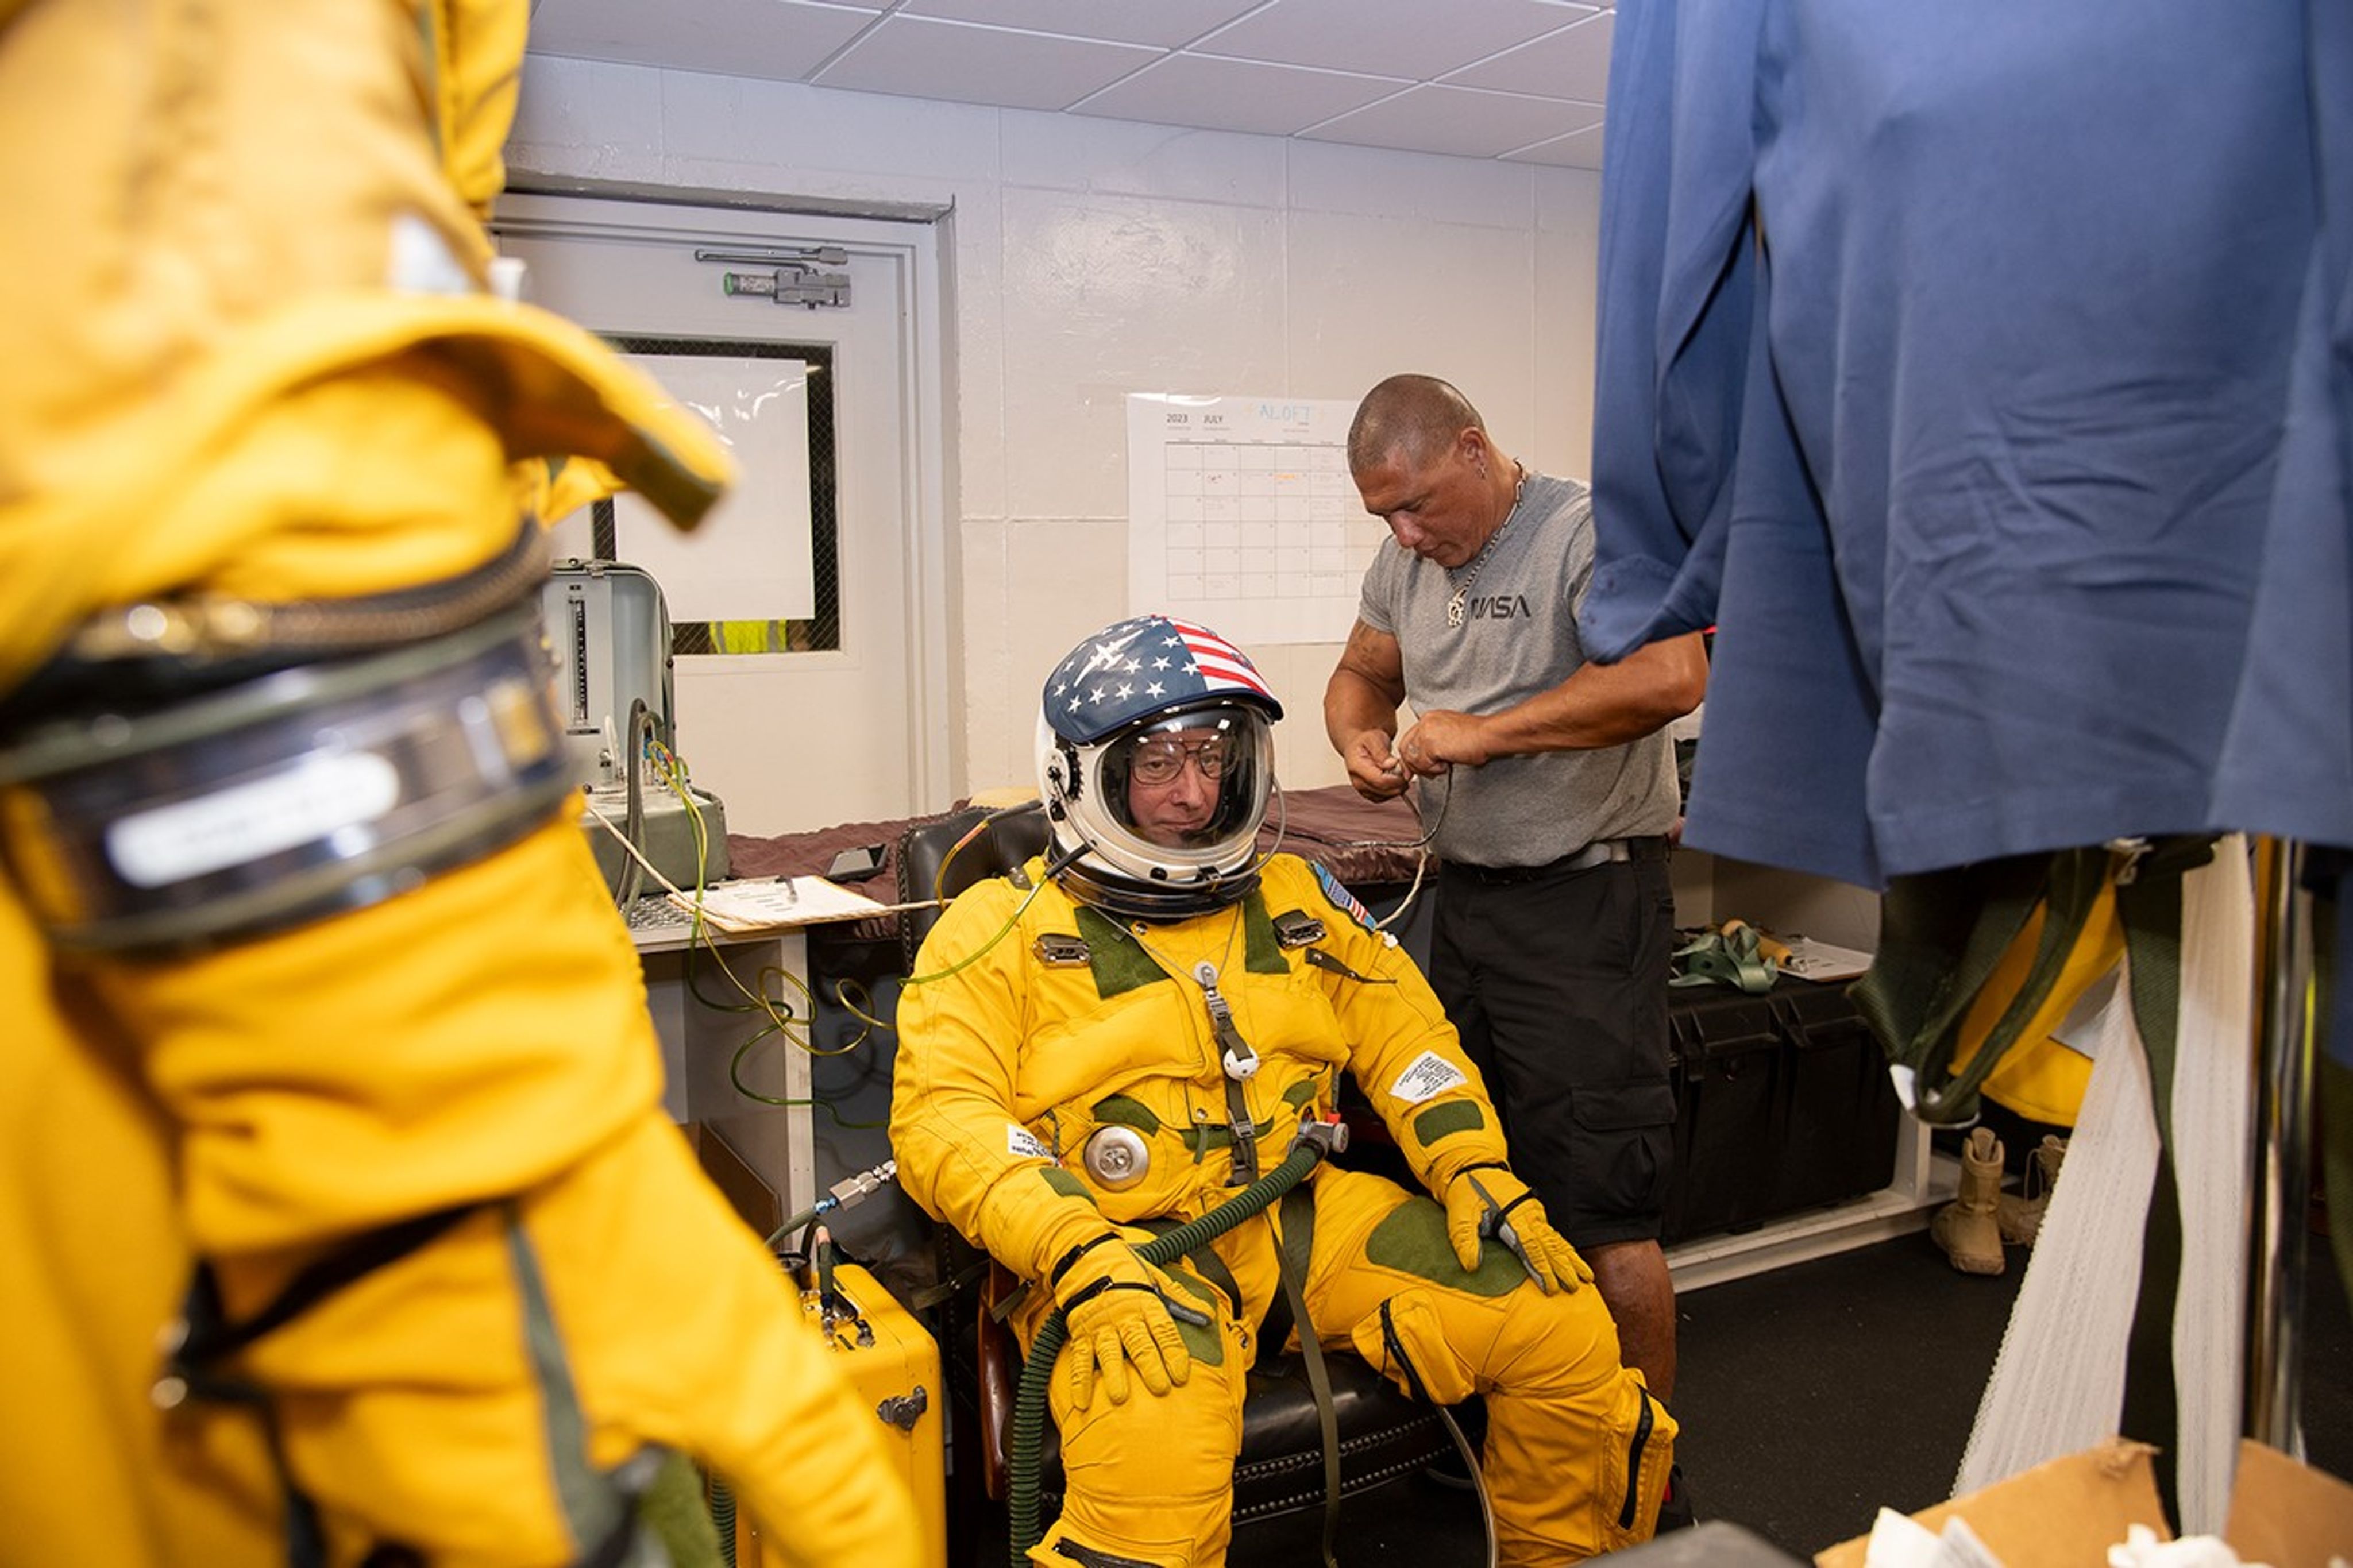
(1240, 1062)
(1298, 1244)
(599, 1507)
(1942, 933)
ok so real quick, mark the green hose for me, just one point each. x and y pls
(1029, 1404)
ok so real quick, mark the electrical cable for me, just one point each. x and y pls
(1055, 866)
(1420, 845)
(781, 1019)
(633, 815)
(1463, 1444)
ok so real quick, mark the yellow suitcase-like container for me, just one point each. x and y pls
(894, 1365)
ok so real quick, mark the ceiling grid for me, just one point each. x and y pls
(1515, 80)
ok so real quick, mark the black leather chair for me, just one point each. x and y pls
(1384, 1435)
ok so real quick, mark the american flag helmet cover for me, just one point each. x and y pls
(1144, 666)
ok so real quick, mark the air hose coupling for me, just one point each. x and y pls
(1327, 1135)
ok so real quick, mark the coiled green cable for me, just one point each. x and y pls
(1030, 1404)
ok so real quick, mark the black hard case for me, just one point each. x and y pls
(1782, 1104)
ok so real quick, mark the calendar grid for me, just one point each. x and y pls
(1253, 522)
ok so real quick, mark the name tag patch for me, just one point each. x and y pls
(1427, 1075)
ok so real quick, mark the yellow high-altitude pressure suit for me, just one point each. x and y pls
(250, 356)
(1008, 1064)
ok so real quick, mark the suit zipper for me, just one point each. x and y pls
(1634, 1464)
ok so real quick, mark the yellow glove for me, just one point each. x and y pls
(1486, 1200)
(1118, 1312)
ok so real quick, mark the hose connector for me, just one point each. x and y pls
(1327, 1135)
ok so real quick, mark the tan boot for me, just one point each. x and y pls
(1965, 1227)
(2020, 1214)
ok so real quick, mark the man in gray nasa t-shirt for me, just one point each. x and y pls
(1554, 923)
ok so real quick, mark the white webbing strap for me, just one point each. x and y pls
(2058, 1384)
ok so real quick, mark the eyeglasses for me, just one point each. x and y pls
(1158, 761)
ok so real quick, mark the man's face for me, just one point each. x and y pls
(1173, 783)
(1441, 509)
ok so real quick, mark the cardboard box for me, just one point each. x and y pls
(2067, 1513)
(2287, 1514)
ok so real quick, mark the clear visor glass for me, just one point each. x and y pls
(1191, 784)
(1156, 759)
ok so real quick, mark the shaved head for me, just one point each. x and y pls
(1410, 416)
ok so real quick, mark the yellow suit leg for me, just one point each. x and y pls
(1151, 1478)
(97, 1261)
(1576, 1453)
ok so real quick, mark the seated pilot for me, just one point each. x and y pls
(1141, 1034)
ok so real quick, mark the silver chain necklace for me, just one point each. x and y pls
(1454, 606)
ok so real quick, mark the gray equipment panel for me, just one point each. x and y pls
(609, 629)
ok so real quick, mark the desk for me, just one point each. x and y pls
(691, 1004)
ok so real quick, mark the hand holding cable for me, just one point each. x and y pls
(1119, 1311)
(1487, 1199)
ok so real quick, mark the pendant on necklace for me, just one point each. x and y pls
(1454, 608)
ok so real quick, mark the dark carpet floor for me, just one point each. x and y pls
(1812, 1396)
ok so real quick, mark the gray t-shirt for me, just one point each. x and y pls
(1518, 638)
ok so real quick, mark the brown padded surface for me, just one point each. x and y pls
(1339, 829)
(1330, 826)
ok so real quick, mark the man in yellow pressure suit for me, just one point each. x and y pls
(324, 1043)
(1148, 1028)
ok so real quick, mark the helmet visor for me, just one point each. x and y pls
(1191, 787)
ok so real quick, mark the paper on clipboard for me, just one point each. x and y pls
(775, 902)
(1811, 960)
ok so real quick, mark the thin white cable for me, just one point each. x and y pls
(621, 837)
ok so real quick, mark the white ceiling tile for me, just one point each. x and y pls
(917, 56)
(782, 39)
(1413, 38)
(1460, 120)
(1579, 150)
(1237, 95)
(1336, 70)
(1166, 23)
(1571, 63)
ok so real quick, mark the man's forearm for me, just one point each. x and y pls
(1604, 705)
(1354, 704)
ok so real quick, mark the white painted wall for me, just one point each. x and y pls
(1093, 259)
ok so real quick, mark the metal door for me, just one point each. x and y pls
(810, 614)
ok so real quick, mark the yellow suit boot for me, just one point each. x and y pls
(1965, 1227)
(2020, 1214)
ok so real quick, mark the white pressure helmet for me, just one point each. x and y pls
(1135, 695)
